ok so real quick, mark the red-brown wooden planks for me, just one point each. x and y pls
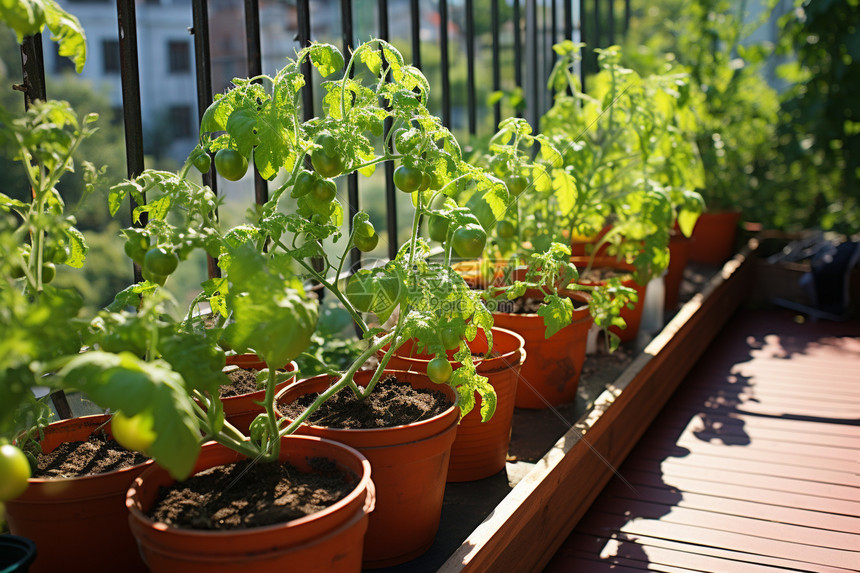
(753, 465)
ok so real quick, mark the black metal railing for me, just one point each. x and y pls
(535, 25)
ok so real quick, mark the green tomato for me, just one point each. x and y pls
(450, 338)
(133, 432)
(365, 244)
(231, 164)
(439, 370)
(136, 245)
(517, 184)
(506, 229)
(55, 252)
(160, 261)
(469, 241)
(327, 161)
(49, 271)
(408, 179)
(14, 472)
(365, 229)
(203, 163)
(324, 190)
(304, 184)
(152, 277)
(437, 228)
(426, 182)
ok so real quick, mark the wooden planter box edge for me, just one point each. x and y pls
(527, 527)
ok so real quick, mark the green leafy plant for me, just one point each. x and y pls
(163, 374)
(38, 320)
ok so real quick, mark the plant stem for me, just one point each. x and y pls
(344, 380)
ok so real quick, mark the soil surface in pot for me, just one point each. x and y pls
(248, 494)
(391, 403)
(97, 455)
(523, 305)
(241, 382)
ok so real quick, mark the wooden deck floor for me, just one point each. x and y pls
(754, 465)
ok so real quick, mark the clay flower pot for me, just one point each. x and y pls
(328, 540)
(551, 369)
(79, 520)
(632, 316)
(241, 410)
(713, 238)
(481, 448)
(409, 462)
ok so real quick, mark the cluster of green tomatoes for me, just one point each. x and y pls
(156, 263)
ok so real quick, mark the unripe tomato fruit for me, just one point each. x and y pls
(365, 229)
(469, 241)
(231, 164)
(506, 229)
(304, 184)
(324, 190)
(450, 338)
(437, 228)
(203, 163)
(408, 179)
(136, 245)
(517, 184)
(160, 261)
(364, 243)
(14, 472)
(49, 271)
(326, 160)
(439, 370)
(133, 432)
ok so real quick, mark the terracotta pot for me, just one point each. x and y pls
(329, 540)
(16, 554)
(77, 520)
(479, 273)
(481, 448)
(409, 467)
(550, 371)
(679, 255)
(632, 316)
(713, 238)
(241, 410)
(580, 246)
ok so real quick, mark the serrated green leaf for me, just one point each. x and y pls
(557, 313)
(67, 31)
(242, 127)
(565, 188)
(77, 248)
(326, 58)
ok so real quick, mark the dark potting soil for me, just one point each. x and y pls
(241, 382)
(522, 305)
(97, 455)
(248, 494)
(391, 403)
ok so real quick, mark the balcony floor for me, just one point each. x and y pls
(754, 465)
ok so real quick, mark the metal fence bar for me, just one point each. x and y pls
(390, 196)
(446, 79)
(532, 101)
(33, 68)
(348, 33)
(470, 67)
(584, 37)
(303, 14)
(203, 70)
(497, 68)
(415, 17)
(130, 73)
(255, 68)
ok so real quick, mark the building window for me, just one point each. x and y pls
(110, 56)
(180, 120)
(179, 57)
(62, 63)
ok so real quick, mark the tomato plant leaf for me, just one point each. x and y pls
(326, 58)
(557, 313)
(67, 31)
